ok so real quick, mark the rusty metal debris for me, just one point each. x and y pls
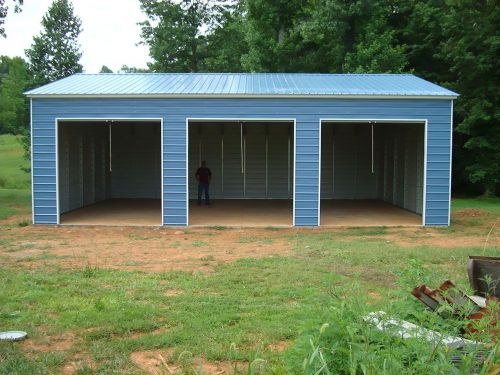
(446, 299)
(484, 275)
(482, 312)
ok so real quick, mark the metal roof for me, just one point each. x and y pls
(241, 85)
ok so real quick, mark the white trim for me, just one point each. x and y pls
(294, 187)
(424, 188)
(32, 171)
(242, 119)
(58, 205)
(102, 119)
(319, 175)
(161, 166)
(451, 163)
(382, 120)
(236, 96)
(187, 171)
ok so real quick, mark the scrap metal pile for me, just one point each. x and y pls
(480, 311)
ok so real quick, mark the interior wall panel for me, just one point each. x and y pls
(230, 179)
(233, 174)
(136, 156)
(255, 161)
(398, 163)
(83, 176)
(280, 161)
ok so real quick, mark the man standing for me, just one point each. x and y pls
(203, 176)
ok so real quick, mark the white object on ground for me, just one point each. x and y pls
(478, 300)
(407, 330)
(13, 335)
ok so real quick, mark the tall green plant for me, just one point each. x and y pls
(14, 114)
(55, 53)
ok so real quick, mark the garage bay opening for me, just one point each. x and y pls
(109, 172)
(252, 172)
(372, 173)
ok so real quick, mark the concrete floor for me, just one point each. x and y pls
(245, 213)
(116, 212)
(242, 212)
(361, 213)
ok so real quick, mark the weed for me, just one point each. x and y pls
(207, 258)
(250, 239)
(90, 271)
(218, 227)
(199, 243)
(23, 223)
(138, 237)
(274, 229)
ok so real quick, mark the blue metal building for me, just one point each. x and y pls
(305, 138)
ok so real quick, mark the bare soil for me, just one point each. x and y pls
(163, 362)
(154, 249)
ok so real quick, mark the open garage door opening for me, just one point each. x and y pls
(372, 173)
(109, 172)
(251, 164)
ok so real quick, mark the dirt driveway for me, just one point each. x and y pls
(200, 249)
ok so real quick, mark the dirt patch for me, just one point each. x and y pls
(78, 362)
(155, 249)
(173, 292)
(161, 362)
(373, 297)
(60, 343)
(471, 212)
(152, 361)
(145, 249)
(279, 346)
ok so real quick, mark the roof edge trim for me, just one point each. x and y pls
(235, 96)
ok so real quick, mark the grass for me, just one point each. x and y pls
(310, 302)
(14, 178)
(249, 304)
(486, 204)
(13, 166)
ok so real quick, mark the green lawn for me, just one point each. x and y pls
(265, 315)
(13, 167)
(14, 178)
(486, 204)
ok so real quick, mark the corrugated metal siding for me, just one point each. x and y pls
(400, 164)
(306, 111)
(346, 162)
(233, 175)
(242, 84)
(280, 161)
(136, 161)
(83, 165)
(255, 161)
(228, 180)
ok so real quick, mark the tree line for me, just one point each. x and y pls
(454, 43)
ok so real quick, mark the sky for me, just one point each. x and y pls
(109, 37)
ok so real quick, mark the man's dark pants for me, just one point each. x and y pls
(203, 187)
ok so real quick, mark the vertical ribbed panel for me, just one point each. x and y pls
(307, 113)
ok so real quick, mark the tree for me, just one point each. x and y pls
(55, 53)
(274, 45)
(14, 114)
(193, 35)
(173, 32)
(226, 41)
(472, 48)
(3, 13)
(105, 69)
(132, 69)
